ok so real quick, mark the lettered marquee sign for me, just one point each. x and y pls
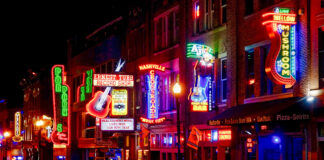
(17, 136)
(61, 107)
(281, 61)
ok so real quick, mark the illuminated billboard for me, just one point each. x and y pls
(117, 124)
(281, 61)
(113, 80)
(119, 102)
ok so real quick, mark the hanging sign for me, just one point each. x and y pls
(202, 52)
(119, 102)
(113, 80)
(17, 137)
(280, 63)
(61, 107)
(117, 124)
(85, 90)
(152, 87)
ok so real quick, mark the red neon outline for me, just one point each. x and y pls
(160, 68)
(152, 121)
(273, 21)
(95, 113)
(78, 89)
(54, 106)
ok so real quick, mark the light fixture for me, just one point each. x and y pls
(276, 139)
(310, 98)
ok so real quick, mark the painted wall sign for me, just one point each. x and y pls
(152, 86)
(119, 102)
(61, 107)
(17, 137)
(113, 80)
(117, 124)
(85, 90)
(281, 61)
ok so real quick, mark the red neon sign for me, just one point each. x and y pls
(113, 80)
(280, 63)
(151, 67)
(152, 121)
(225, 134)
(61, 107)
(91, 106)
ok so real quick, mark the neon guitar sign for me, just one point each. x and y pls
(199, 101)
(280, 64)
(98, 106)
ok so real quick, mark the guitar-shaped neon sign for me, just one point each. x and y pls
(198, 93)
(98, 106)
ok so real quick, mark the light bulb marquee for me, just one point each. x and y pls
(281, 61)
(152, 85)
(85, 90)
(17, 137)
(61, 107)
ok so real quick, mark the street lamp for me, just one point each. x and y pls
(6, 135)
(176, 92)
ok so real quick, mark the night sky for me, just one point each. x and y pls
(34, 37)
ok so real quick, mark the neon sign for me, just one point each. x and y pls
(224, 135)
(61, 107)
(281, 61)
(113, 80)
(17, 137)
(98, 106)
(202, 52)
(119, 102)
(152, 85)
(200, 95)
(85, 89)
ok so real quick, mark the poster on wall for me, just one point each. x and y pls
(119, 102)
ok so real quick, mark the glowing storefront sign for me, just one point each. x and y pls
(85, 90)
(17, 137)
(281, 61)
(202, 52)
(117, 124)
(225, 134)
(152, 85)
(119, 102)
(113, 80)
(61, 107)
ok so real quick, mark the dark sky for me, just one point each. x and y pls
(33, 36)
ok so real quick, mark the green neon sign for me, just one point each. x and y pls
(58, 79)
(89, 77)
(195, 50)
(59, 127)
(64, 100)
(82, 94)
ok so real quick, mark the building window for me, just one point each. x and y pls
(167, 99)
(249, 5)
(322, 3)
(90, 125)
(166, 28)
(321, 56)
(223, 11)
(265, 3)
(196, 10)
(266, 84)
(223, 79)
(250, 73)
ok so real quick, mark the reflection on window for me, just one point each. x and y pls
(250, 73)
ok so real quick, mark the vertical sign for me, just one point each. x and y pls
(119, 102)
(153, 100)
(85, 90)
(17, 137)
(61, 106)
(281, 60)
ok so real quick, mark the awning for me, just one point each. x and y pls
(289, 109)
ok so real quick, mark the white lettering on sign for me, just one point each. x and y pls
(113, 80)
(117, 124)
